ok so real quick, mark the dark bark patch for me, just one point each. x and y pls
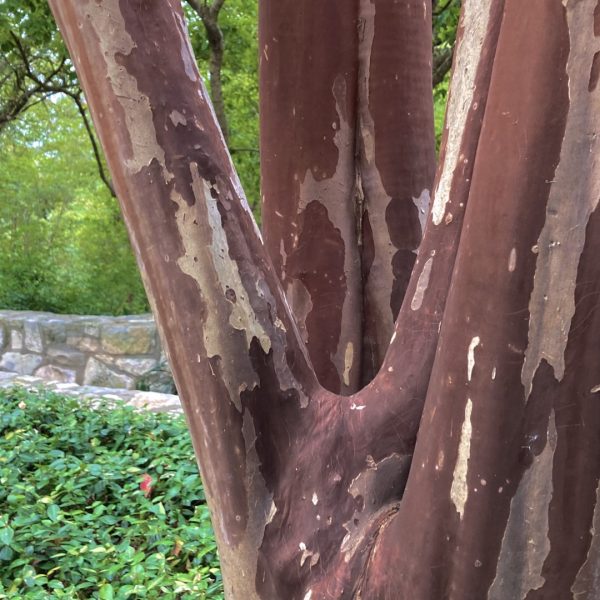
(595, 72)
(399, 59)
(402, 266)
(276, 422)
(318, 262)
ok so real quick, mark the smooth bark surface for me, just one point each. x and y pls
(308, 107)
(493, 369)
(348, 158)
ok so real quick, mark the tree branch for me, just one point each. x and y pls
(217, 5)
(214, 35)
(48, 88)
(88, 127)
(198, 7)
(22, 94)
(234, 150)
(442, 62)
(439, 11)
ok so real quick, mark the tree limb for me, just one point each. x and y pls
(46, 86)
(209, 16)
(439, 11)
(442, 62)
(88, 127)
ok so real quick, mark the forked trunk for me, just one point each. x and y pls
(494, 360)
(348, 159)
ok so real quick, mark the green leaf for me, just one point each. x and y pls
(53, 512)
(89, 537)
(106, 592)
(6, 535)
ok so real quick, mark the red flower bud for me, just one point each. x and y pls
(146, 485)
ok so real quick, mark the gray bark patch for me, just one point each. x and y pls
(526, 543)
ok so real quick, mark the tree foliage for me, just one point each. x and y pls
(65, 246)
(33, 60)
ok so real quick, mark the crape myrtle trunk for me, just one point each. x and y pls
(494, 360)
(348, 159)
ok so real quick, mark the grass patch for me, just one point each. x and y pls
(100, 503)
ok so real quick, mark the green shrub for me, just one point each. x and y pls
(77, 519)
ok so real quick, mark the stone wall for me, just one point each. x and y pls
(111, 352)
(151, 401)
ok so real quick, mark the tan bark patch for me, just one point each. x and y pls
(422, 284)
(526, 543)
(587, 582)
(573, 197)
(475, 19)
(108, 22)
(471, 356)
(459, 492)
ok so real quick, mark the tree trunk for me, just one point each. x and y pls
(343, 201)
(494, 360)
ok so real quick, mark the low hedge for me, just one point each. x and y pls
(100, 502)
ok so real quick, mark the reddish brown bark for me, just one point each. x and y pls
(493, 366)
(496, 461)
(396, 159)
(344, 199)
(308, 107)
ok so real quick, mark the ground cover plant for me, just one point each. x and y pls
(100, 503)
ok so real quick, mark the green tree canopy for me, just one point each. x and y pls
(63, 244)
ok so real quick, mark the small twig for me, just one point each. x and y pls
(234, 150)
(437, 13)
(77, 99)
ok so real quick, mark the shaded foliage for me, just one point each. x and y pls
(103, 503)
(33, 60)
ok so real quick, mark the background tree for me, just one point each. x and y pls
(209, 14)
(35, 72)
(34, 62)
(35, 68)
(69, 252)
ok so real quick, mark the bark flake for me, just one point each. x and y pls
(459, 492)
(587, 583)
(422, 284)
(574, 196)
(108, 23)
(475, 20)
(526, 542)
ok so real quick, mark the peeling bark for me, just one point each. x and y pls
(469, 466)
(516, 469)
(329, 135)
(308, 115)
(396, 158)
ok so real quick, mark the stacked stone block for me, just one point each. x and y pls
(111, 352)
(149, 401)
